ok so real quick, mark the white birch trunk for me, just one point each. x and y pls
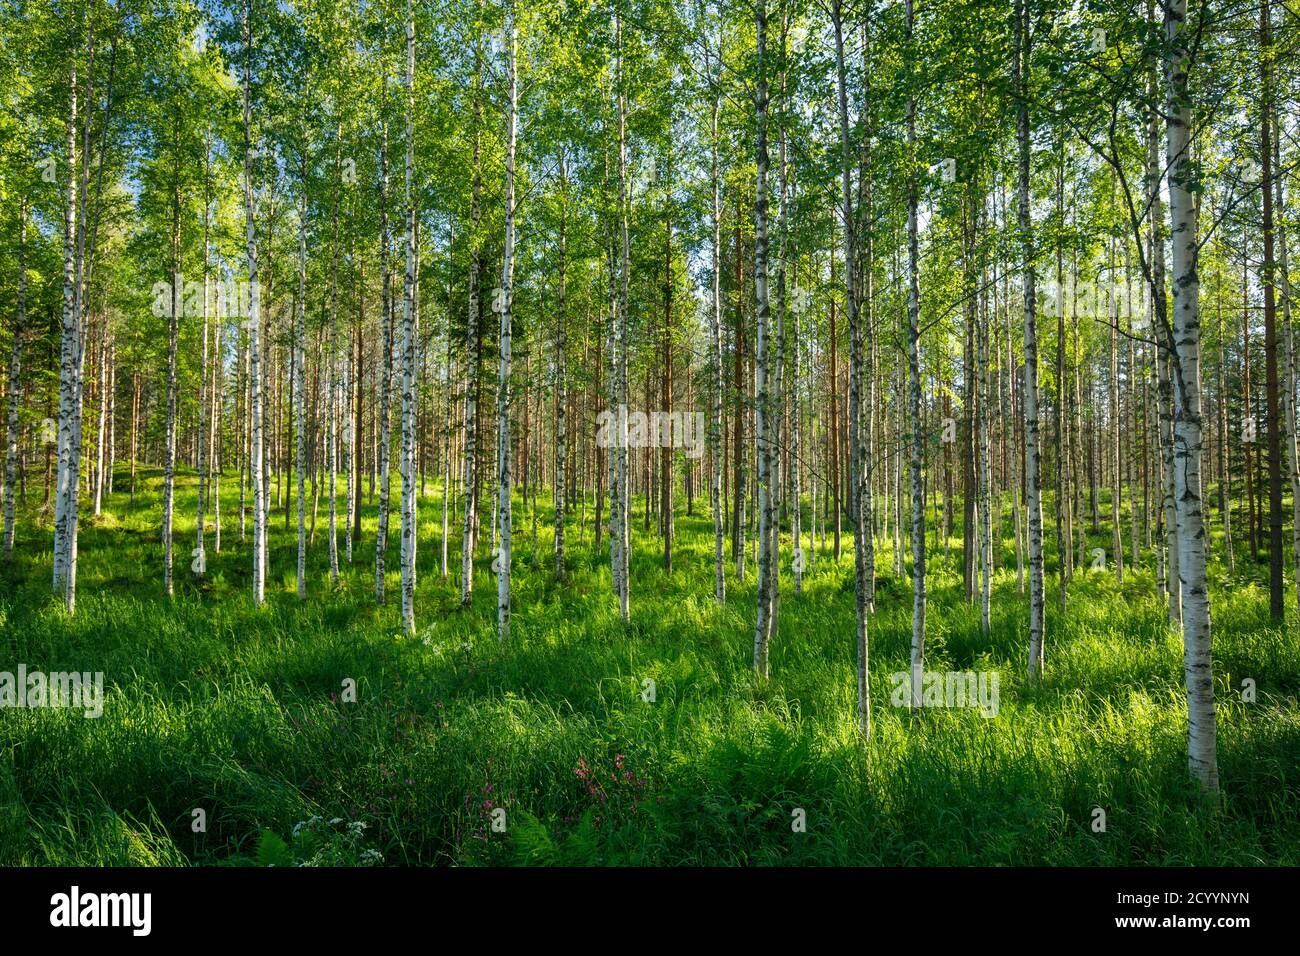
(173, 330)
(1033, 461)
(983, 402)
(469, 478)
(71, 331)
(1186, 372)
(385, 373)
(857, 466)
(620, 352)
(914, 374)
(1289, 356)
(299, 373)
(408, 347)
(561, 381)
(762, 314)
(715, 341)
(204, 455)
(335, 411)
(254, 348)
(1164, 386)
(503, 379)
(78, 344)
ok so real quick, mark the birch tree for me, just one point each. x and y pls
(66, 486)
(763, 410)
(1033, 460)
(300, 374)
(715, 326)
(470, 471)
(503, 306)
(1185, 361)
(914, 377)
(858, 467)
(253, 322)
(407, 346)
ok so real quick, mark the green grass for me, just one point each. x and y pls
(214, 704)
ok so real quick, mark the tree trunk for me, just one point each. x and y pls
(857, 467)
(1276, 578)
(15, 370)
(715, 335)
(1033, 466)
(408, 347)
(914, 374)
(470, 477)
(561, 380)
(503, 379)
(1186, 337)
(254, 347)
(762, 317)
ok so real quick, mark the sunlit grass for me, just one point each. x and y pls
(216, 705)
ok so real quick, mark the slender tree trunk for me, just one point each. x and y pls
(101, 387)
(984, 424)
(254, 346)
(299, 382)
(619, 352)
(716, 451)
(1033, 466)
(914, 373)
(738, 412)
(667, 476)
(173, 330)
(204, 461)
(561, 380)
(15, 370)
(78, 345)
(1289, 390)
(1164, 390)
(1116, 490)
(1186, 335)
(1225, 498)
(762, 315)
(65, 486)
(408, 346)
(503, 379)
(448, 426)
(334, 405)
(470, 477)
(1276, 577)
(857, 467)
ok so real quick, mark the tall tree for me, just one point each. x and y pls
(1185, 360)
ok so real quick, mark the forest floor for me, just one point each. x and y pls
(228, 735)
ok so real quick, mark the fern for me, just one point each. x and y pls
(533, 843)
(272, 850)
(582, 846)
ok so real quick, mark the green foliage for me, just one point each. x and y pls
(213, 703)
(534, 845)
(273, 851)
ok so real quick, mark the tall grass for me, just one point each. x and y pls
(240, 712)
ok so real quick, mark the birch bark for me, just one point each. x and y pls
(1186, 372)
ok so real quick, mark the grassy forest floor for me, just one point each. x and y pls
(215, 705)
